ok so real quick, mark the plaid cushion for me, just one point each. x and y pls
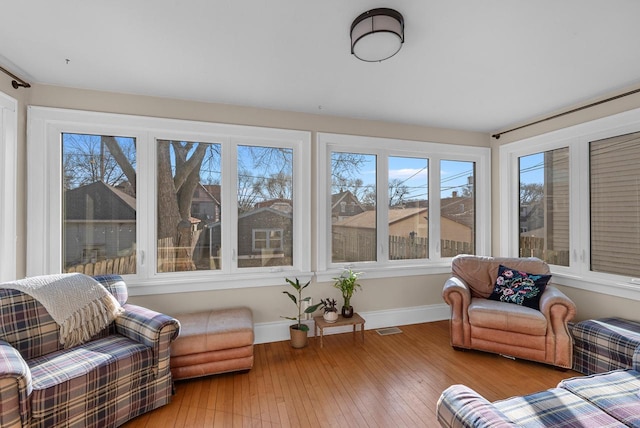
(26, 325)
(115, 285)
(460, 406)
(555, 407)
(605, 344)
(68, 383)
(616, 393)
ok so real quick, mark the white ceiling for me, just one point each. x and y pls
(466, 64)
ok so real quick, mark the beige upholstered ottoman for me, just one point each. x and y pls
(213, 342)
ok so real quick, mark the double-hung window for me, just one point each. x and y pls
(572, 198)
(173, 205)
(391, 189)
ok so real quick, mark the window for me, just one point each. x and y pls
(353, 178)
(457, 207)
(188, 177)
(174, 205)
(98, 204)
(572, 198)
(265, 206)
(8, 173)
(615, 205)
(389, 183)
(267, 239)
(544, 206)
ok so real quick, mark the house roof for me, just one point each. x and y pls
(460, 209)
(367, 219)
(101, 201)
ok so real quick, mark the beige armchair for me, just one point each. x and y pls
(506, 328)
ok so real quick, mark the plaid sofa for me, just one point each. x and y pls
(605, 344)
(601, 400)
(121, 373)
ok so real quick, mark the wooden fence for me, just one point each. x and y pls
(353, 248)
(170, 259)
(119, 265)
(531, 246)
(405, 248)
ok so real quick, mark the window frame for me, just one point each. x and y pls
(384, 148)
(8, 190)
(44, 213)
(267, 239)
(577, 139)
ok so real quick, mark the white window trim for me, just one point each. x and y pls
(577, 139)
(435, 152)
(44, 213)
(8, 172)
(268, 239)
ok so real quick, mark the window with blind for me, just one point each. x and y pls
(572, 197)
(615, 205)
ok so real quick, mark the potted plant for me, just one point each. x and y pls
(330, 311)
(347, 284)
(299, 330)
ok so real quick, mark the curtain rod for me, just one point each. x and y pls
(635, 91)
(16, 82)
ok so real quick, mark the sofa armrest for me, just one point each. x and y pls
(558, 309)
(150, 328)
(457, 295)
(555, 304)
(15, 387)
(461, 406)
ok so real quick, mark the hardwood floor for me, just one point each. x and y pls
(389, 381)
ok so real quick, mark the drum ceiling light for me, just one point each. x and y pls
(377, 35)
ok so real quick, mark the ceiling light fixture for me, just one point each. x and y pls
(377, 34)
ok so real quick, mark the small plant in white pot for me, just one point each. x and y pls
(330, 311)
(299, 330)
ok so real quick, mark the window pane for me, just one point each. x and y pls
(265, 202)
(188, 206)
(457, 208)
(353, 186)
(615, 205)
(408, 202)
(544, 206)
(99, 204)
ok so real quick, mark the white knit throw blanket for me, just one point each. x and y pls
(79, 304)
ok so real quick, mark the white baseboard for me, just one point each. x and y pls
(279, 330)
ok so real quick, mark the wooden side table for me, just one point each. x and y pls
(355, 320)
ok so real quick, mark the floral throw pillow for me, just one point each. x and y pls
(521, 288)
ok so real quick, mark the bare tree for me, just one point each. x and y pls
(531, 193)
(90, 158)
(397, 192)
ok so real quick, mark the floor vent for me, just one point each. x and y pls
(389, 330)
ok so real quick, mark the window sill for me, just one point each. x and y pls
(627, 290)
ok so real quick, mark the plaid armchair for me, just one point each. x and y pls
(119, 374)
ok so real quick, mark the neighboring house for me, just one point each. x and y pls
(265, 237)
(280, 204)
(457, 219)
(354, 237)
(531, 218)
(343, 205)
(99, 223)
(205, 204)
